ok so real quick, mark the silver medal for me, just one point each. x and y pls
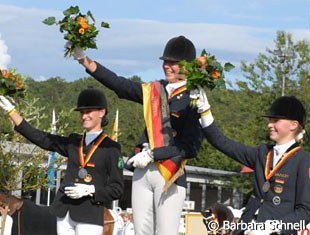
(266, 186)
(82, 173)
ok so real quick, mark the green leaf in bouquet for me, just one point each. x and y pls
(92, 45)
(68, 37)
(105, 25)
(71, 11)
(2, 90)
(91, 16)
(220, 83)
(49, 20)
(64, 20)
(228, 66)
(203, 53)
(11, 85)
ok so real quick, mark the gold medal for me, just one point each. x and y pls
(88, 178)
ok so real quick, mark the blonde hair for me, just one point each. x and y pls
(300, 132)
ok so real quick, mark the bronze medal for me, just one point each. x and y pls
(82, 173)
(278, 189)
(266, 186)
(88, 178)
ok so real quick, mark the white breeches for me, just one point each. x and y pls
(67, 226)
(155, 211)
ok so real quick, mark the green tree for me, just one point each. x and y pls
(278, 70)
(284, 70)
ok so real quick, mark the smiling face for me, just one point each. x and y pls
(281, 130)
(171, 70)
(91, 119)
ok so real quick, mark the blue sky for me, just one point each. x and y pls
(232, 30)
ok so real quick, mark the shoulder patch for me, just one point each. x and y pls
(120, 163)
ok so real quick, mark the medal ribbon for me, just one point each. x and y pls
(83, 161)
(268, 173)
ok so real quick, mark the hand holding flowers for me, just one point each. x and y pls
(78, 29)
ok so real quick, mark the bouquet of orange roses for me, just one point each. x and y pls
(79, 29)
(11, 83)
(205, 71)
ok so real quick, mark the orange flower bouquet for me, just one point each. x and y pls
(78, 29)
(205, 71)
(11, 83)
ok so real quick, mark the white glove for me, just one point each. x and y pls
(141, 159)
(77, 53)
(79, 190)
(145, 147)
(272, 226)
(203, 106)
(201, 98)
(6, 104)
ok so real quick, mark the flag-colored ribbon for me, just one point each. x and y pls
(158, 126)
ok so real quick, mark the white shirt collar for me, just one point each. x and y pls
(281, 148)
(172, 86)
(90, 136)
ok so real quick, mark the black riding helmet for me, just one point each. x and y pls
(288, 107)
(179, 48)
(91, 98)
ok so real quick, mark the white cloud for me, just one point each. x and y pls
(5, 58)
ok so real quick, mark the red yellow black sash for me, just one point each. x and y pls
(156, 114)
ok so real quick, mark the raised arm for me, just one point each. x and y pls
(124, 88)
(239, 152)
(42, 139)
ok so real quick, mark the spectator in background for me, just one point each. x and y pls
(128, 228)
